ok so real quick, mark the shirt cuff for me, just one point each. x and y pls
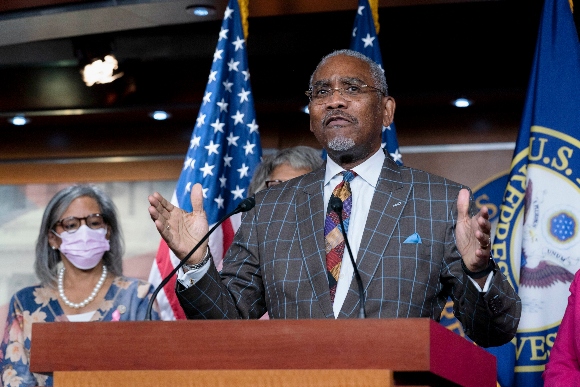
(487, 283)
(192, 276)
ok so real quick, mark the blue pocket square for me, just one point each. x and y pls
(415, 238)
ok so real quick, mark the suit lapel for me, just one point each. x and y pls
(390, 197)
(310, 220)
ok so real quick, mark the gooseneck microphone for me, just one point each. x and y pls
(245, 205)
(336, 205)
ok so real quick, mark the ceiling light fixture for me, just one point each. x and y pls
(19, 120)
(101, 71)
(160, 115)
(200, 10)
(462, 102)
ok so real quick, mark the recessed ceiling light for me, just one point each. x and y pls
(200, 10)
(462, 102)
(160, 115)
(19, 120)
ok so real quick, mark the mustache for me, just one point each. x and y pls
(338, 113)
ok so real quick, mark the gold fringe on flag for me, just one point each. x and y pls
(244, 15)
(375, 9)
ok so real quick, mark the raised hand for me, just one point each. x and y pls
(473, 234)
(181, 230)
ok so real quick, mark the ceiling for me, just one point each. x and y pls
(434, 51)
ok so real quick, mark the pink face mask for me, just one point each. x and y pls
(85, 247)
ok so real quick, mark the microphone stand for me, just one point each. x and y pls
(336, 205)
(245, 205)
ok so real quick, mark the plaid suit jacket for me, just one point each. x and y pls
(277, 260)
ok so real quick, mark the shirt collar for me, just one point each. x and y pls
(369, 171)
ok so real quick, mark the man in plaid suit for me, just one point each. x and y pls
(415, 237)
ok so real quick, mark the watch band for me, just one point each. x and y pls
(201, 264)
(481, 273)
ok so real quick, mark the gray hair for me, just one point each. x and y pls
(47, 259)
(377, 73)
(298, 157)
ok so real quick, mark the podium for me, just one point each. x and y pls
(370, 352)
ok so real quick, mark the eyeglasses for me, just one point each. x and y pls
(321, 94)
(72, 223)
(271, 183)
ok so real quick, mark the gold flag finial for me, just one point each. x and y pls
(244, 15)
(375, 10)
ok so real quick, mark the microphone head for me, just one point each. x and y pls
(335, 204)
(247, 204)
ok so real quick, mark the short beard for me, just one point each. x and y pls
(341, 144)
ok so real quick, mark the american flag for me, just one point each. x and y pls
(365, 40)
(223, 152)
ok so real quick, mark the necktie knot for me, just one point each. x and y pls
(348, 175)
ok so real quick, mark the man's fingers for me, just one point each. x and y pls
(463, 204)
(197, 198)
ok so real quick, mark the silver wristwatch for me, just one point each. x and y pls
(199, 265)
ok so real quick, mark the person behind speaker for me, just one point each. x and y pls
(79, 254)
(416, 237)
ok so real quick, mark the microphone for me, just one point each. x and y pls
(245, 205)
(336, 205)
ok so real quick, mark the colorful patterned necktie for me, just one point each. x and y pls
(333, 235)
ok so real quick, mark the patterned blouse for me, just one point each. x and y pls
(127, 299)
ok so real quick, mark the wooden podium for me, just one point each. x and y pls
(371, 352)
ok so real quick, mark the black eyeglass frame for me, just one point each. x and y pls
(60, 221)
(340, 91)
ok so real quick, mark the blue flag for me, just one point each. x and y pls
(365, 40)
(537, 240)
(224, 148)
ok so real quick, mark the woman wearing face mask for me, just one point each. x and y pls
(79, 263)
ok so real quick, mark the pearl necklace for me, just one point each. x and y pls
(87, 300)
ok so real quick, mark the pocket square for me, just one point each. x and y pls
(415, 238)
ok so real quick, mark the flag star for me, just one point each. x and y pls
(246, 75)
(188, 187)
(233, 65)
(218, 126)
(223, 105)
(223, 181)
(386, 128)
(212, 148)
(238, 43)
(232, 140)
(223, 34)
(200, 120)
(398, 157)
(360, 9)
(194, 141)
(244, 95)
(207, 169)
(228, 161)
(217, 55)
(243, 170)
(228, 85)
(228, 13)
(354, 31)
(187, 163)
(368, 40)
(253, 127)
(249, 148)
(212, 76)
(383, 145)
(204, 192)
(238, 192)
(207, 98)
(219, 201)
(238, 118)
